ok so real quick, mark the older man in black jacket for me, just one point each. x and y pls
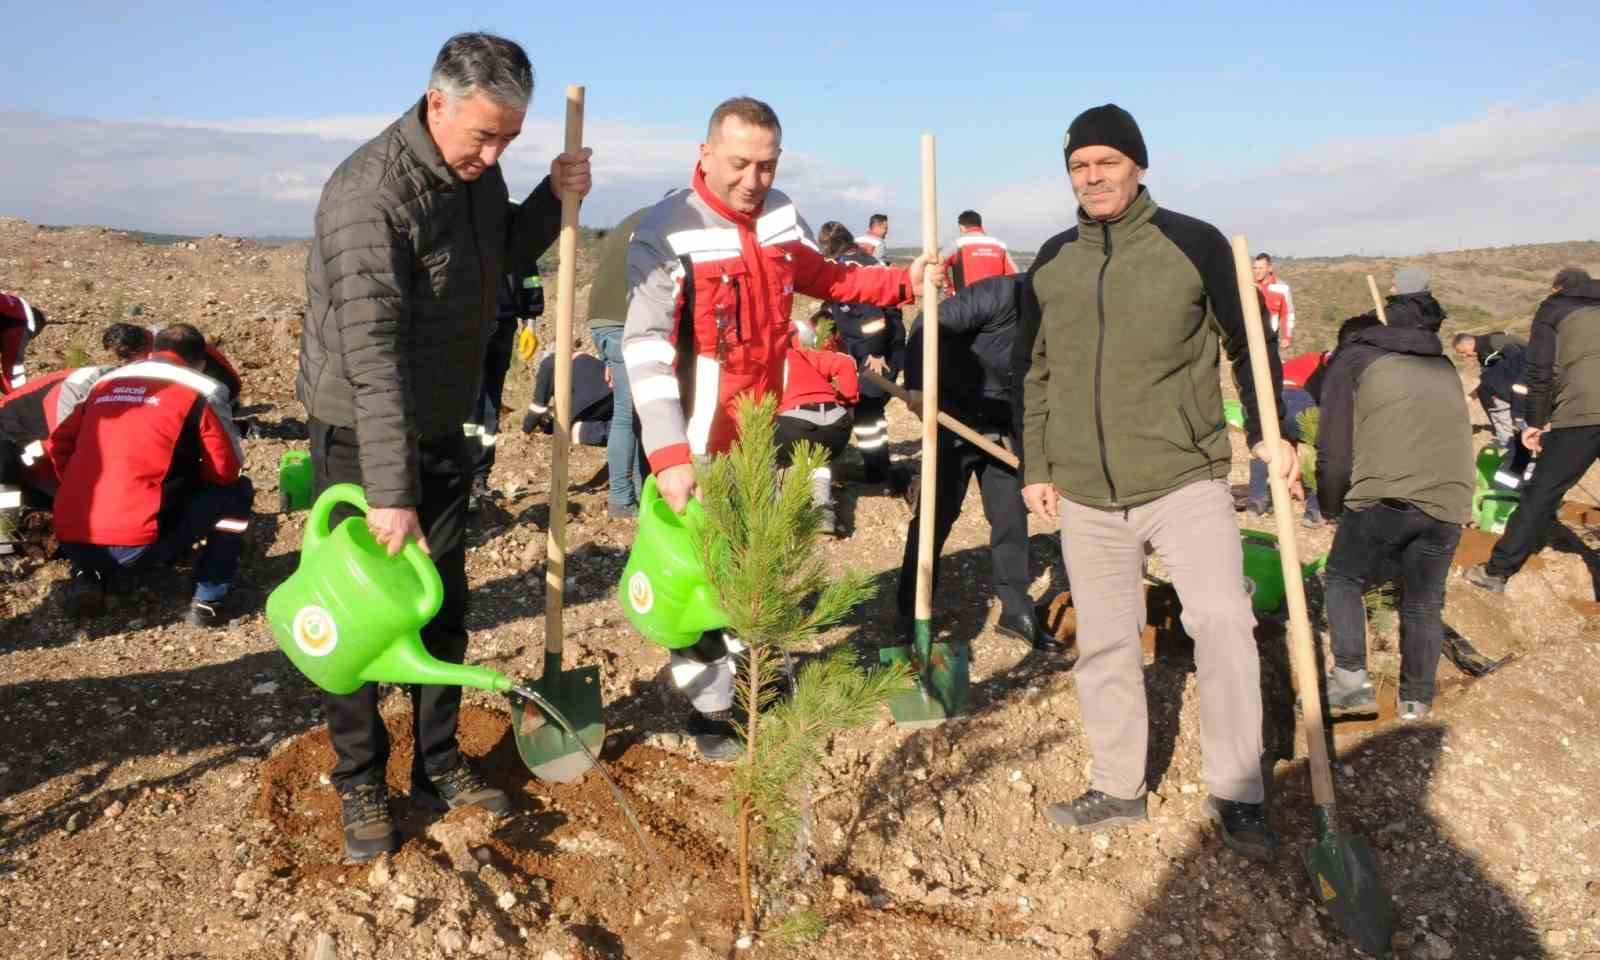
(977, 333)
(413, 234)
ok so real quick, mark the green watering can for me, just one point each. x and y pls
(1233, 413)
(1492, 509)
(664, 591)
(351, 614)
(1485, 467)
(1264, 570)
(294, 481)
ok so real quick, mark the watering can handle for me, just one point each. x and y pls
(317, 529)
(432, 596)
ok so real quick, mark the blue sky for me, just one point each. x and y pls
(1316, 131)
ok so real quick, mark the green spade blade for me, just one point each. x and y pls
(550, 752)
(1345, 879)
(943, 673)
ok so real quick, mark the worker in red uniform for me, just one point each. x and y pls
(712, 274)
(1280, 302)
(976, 255)
(20, 321)
(150, 464)
(819, 389)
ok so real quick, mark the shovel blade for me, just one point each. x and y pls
(550, 753)
(1345, 879)
(943, 673)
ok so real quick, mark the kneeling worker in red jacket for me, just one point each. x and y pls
(150, 464)
(819, 388)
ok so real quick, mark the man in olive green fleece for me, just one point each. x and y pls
(608, 308)
(1124, 445)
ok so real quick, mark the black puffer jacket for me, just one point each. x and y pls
(1563, 369)
(870, 331)
(401, 285)
(978, 332)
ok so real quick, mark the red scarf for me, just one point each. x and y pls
(749, 244)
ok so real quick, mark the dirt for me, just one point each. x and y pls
(162, 794)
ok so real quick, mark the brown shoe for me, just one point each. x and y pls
(368, 831)
(464, 787)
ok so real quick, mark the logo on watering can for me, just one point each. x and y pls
(639, 592)
(314, 631)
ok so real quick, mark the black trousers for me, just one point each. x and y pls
(496, 363)
(1566, 455)
(1424, 546)
(1001, 490)
(832, 437)
(872, 437)
(359, 739)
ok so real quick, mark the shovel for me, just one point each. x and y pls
(1344, 877)
(942, 670)
(550, 751)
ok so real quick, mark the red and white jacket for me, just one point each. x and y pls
(1298, 371)
(1280, 306)
(977, 256)
(819, 376)
(29, 415)
(710, 292)
(147, 435)
(19, 321)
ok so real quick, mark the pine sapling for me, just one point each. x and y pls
(759, 547)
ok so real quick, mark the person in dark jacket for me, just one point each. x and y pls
(412, 236)
(1501, 358)
(1125, 446)
(1394, 468)
(518, 300)
(977, 334)
(592, 400)
(876, 338)
(1563, 431)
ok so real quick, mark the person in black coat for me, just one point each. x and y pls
(876, 338)
(977, 330)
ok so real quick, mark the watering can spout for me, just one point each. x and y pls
(406, 661)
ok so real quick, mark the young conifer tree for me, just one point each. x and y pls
(759, 546)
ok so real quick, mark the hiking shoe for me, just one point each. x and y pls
(1479, 576)
(1413, 709)
(625, 511)
(368, 831)
(827, 521)
(714, 736)
(465, 787)
(1094, 810)
(479, 494)
(1350, 692)
(204, 613)
(1307, 520)
(1245, 829)
(86, 595)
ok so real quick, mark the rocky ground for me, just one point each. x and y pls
(163, 789)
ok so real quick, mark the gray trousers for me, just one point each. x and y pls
(1192, 530)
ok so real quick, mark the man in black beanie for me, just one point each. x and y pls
(1124, 445)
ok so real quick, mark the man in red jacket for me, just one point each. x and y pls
(150, 464)
(1280, 301)
(977, 256)
(27, 416)
(19, 322)
(819, 388)
(712, 274)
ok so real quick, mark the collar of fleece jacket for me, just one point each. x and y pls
(1414, 310)
(749, 243)
(1139, 213)
(1402, 339)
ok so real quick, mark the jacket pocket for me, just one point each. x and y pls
(722, 306)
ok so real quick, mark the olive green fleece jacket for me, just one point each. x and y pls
(1118, 354)
(608, 295)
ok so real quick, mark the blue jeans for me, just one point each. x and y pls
(219, 559)
(1295, 402)
(622, 445)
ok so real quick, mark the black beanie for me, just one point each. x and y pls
(1107, 126)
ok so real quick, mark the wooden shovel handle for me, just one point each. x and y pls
(1300, 643)
(945, 420)
(1377, 301)
(555, 568)
(930, 380)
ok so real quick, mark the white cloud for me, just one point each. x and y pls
(1509, 175)
(264, 175)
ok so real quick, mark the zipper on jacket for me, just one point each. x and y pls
(738, 311)
(1099, 363)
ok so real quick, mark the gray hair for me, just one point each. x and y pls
(482, 63)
